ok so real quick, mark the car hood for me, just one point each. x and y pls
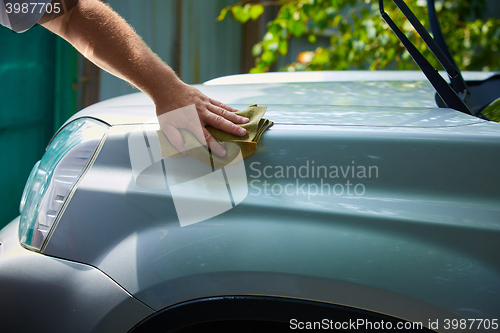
(424, 222)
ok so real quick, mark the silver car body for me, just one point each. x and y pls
(421, 241)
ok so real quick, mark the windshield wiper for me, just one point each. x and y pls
(457, 82)
(447, 94)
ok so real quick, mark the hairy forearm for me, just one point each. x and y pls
(107, 40)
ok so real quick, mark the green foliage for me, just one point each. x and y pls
(242, 13)
(492, 111)
(360, 38)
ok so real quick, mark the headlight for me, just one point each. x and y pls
(53, 178)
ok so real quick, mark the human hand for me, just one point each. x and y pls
(174, 113)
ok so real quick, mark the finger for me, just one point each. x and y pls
(222, 105)
(175, 138)
(223, 124)
(213, 144)
(231, 116)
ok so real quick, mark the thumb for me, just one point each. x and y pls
(175, 138)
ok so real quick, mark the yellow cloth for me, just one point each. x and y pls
(231, 143)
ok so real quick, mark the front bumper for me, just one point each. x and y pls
(43, 293)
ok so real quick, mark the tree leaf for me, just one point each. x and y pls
(297, 28)
(268, 56)
(256, 11)
(256, 50)
(283, 47)
(241, 13)
(236, 11)
(222, 14)
(273, 46)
